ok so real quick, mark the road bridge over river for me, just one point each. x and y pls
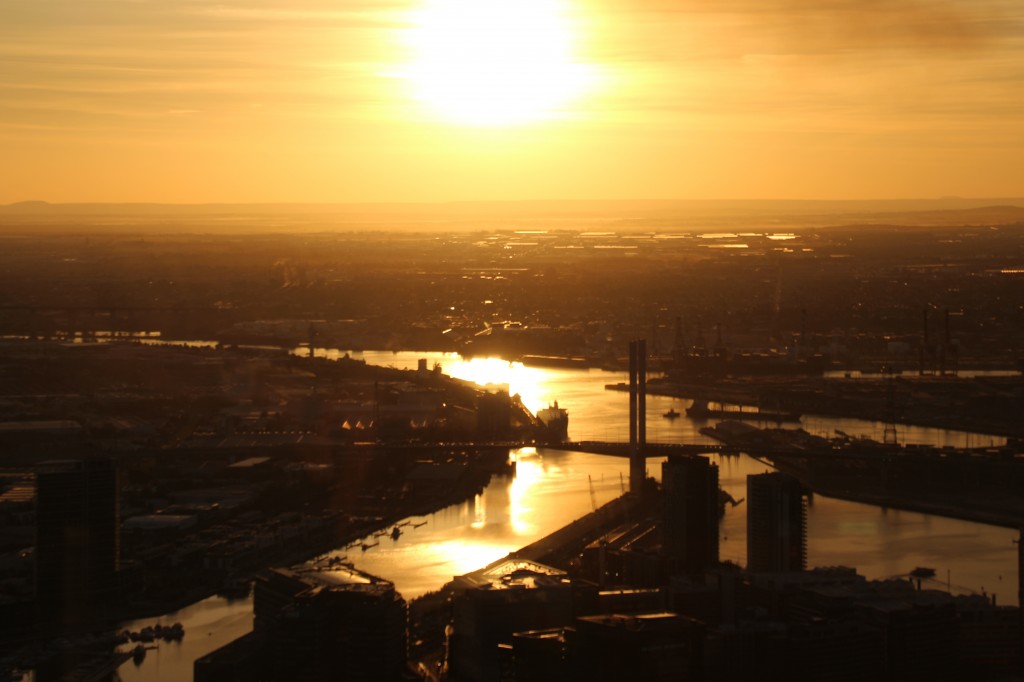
(593, 447)
(648, 450)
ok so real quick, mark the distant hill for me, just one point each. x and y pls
(41, 216)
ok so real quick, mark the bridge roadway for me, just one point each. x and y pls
(649, 450)
(592, 447)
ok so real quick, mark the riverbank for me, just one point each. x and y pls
(1004, 511)
(979, 404)
(428, 614)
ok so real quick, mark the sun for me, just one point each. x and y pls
(494, 62)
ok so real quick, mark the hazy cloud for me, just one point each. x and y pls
(842, 25)
(688, 85)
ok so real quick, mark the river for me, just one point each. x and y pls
(551, 488)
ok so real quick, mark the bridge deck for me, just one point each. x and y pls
(649, 450)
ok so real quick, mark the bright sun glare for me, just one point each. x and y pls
(494, 62)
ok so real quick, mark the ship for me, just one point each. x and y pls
(552, 424)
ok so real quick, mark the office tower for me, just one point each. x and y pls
(77, 540)
(690, 513)
(776, 523)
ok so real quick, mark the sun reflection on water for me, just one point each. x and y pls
(479, 513)
(528, 474)
(528, 382)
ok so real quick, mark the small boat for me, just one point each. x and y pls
(421, 523)
(139, 654)
(395, 532)
(671, 414)
(367, 545)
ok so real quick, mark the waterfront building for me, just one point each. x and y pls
(776, 523)
(507, 597)
(690, 513)
(316, 622)
(626, 555)
(320, 619)
(77, 540)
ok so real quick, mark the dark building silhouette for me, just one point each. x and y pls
(833, 651)
(507, 597)
(776, 523)
(77, 540)
(690, 513)
(655, 645)
(626, 555)
(317, 622)
(493, 415)
(650, 646)
(540, 656)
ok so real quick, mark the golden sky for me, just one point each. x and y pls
(442, 100)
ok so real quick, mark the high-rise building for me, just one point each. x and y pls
(690, 512)
(776, 523)
(77, 540)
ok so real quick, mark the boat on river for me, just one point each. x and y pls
(552, 424)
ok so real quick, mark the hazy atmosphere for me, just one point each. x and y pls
(453, 100)
(519, 340)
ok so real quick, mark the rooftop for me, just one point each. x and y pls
(510, 573)
(332, 574)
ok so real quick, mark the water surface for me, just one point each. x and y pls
(551, 488)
